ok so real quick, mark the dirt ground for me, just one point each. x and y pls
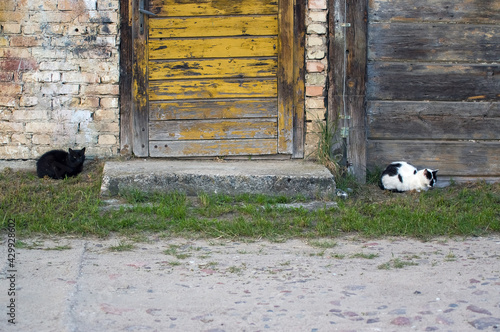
(345, 284)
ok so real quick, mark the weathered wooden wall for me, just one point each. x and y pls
(433, 91)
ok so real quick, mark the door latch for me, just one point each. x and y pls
(143, 12)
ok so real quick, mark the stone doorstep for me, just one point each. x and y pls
(270, 177)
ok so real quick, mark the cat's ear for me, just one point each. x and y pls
(435, 171)
(70, 150)
(83, 150)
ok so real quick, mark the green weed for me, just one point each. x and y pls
(74, 207)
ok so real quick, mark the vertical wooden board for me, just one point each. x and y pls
(139, 88)
(126, 64)
(215, 88)
(452, 158)
(214, 109)
(213, 7)
(216, 68)
(245, 147)
(452, 11)
(347, 79)
(285, 77)
(213, 26)
(298, 79)
(212, 48)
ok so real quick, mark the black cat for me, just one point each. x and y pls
(58, 164)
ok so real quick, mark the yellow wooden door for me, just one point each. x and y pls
(218, 77)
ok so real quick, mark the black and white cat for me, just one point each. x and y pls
(58, 164)
(401, 176)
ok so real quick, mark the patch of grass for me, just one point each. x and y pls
(364, 256)
(73, 207)
(122, 246)
(396, 263)
(59, 248)
(324, 244)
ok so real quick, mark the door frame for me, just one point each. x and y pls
(134, 112)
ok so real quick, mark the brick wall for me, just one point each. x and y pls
(58, 76)
(316, 71)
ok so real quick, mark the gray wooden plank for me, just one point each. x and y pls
(430, 81)
(434, 42)
(433, 120)
(464, 11)
(452, 158)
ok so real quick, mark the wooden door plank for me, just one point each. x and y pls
(285, 77)
(139, 87)
(212, 129)
(442, 11)
(433, 120)
(430, 81)
(214, 88)
(434, 42)
(213, 26)
(451, 158)
(213, 7)
(214, 109)
(299, 39)
(213, 148)
(126, 79)
(213, 48)
(239, 67)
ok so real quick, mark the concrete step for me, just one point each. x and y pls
(270, 177)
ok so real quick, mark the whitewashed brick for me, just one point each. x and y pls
(14, 152)
(58, 66)
(20, 138)
(8, 101)
(28, 115)
(105, 115)
(315, 54)
(316, 28)
(107, 139)
(28, 101)
(315, 40)
(11, 28)
(60, 89)
(31, 29)
(40, 127)
(315, 102)
(7, 126)
(42, 139)
(79, 77)
(112, 102)
(4, 138)
(318, 16)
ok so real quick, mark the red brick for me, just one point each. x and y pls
(22, 41)
(315, 67)
(314, 91)
(6, 76)
(18, 65)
